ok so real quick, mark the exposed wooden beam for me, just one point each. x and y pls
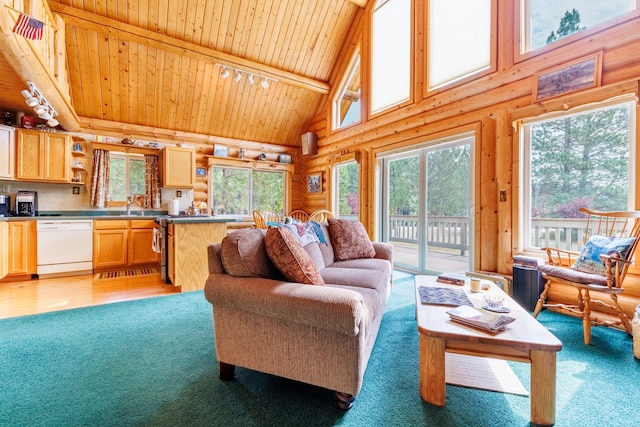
(90, 21)
(361, 3)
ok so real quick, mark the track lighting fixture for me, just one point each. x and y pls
(34, 98)
(237, 76)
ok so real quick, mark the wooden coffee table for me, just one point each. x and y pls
(524, 340)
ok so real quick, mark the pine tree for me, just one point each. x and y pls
(569, 24)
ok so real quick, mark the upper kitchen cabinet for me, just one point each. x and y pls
(43, 156)
(7, 152)
(178, 167)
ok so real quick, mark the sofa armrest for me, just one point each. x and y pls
(384, 250)
(337, 309)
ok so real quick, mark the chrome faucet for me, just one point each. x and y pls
(131, 201)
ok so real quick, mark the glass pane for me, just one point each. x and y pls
(347, 188)
(230, 191)
(391, 55)
(448, 208)
(403, 194)
(268, 191)
(454, 54)
(136, 177)
(577, 161)
(347, 106)
(117, 179)
(550, 20)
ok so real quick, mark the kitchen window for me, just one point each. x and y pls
(126, 177)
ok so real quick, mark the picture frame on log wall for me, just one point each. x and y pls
(314, 183)
(583, 73)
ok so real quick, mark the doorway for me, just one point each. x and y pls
(427, 204)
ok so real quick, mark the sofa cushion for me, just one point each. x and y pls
(589, 260)
(572, 275)
(244, 254)
(290, 258)
(350, 240)
(313, 249)
(355, 277)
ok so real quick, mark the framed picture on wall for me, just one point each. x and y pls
(285, 158)
(583, 73)
(220, 150)
(314, 183)
(201, 171)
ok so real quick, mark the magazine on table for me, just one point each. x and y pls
(473, 317)
(443, 296)
(452, 278)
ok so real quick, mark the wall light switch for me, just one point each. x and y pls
(503, 196)
(178, 193)
(6, 188)
(76, 190)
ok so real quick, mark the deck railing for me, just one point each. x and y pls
(453, 232)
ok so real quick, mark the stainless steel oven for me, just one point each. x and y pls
(160, 245)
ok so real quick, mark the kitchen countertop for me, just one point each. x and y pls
(106, 215)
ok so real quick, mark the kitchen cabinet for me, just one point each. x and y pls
(123, 243)
(43, 156)
(178, 167)
(4, 249)
(22, 247)
(110, 243)
(78, 160)
(7, 152)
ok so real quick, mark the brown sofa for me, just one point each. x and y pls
(320, 335)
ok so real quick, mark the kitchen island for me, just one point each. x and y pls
(187, 242)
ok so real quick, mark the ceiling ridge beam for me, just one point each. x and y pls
(80, 18)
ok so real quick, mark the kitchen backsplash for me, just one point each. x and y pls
(61, 197)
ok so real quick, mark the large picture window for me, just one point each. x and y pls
(454, 54)
(390, 54)
(236, 191)
(546, 21)
(346, 190)
(572, 161)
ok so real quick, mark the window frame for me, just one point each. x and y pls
(474, 75)
(127, 157)
(520, 16)
(335, 183)
(286, 176)
(356, 61)
(521, 136)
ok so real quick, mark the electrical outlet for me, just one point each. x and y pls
(6, 188)
(178, 193)
(76, 190)
(503, 196)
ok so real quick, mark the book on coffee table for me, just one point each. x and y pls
(473, 317)
(452, 278)
(443, 296)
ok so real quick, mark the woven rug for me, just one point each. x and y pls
(482, 373)
(126, 273)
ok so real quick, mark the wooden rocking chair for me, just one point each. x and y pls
(299, 214)
(321, 215)
(611, 239)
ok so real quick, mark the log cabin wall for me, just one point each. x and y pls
(488, 106)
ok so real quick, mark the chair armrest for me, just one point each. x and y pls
(336, 309)
(560, 257)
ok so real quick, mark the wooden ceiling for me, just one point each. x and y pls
(152, 63)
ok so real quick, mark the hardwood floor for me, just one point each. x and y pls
(21, 298)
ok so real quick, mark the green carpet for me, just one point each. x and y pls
(152, 362)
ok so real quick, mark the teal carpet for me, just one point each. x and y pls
(152, 363)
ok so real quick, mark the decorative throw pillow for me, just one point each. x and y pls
(243, 254)
(589, 260)
(290, 258)
(350, 240)
(303, 232)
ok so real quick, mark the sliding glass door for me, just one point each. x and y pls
(427, 199)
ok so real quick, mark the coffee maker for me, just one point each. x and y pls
(26, 203)
(5, 201)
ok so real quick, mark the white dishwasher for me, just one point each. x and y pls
(65, 246)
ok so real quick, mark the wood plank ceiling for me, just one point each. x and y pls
(153, 63)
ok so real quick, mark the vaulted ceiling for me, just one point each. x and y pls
(152, 63)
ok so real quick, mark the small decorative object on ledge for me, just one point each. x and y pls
(241, 154)
(262, 157)
(220, 150)
(285, 158)
(127, 141)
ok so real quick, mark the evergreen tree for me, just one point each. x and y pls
(569, 24)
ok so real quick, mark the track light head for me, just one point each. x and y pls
(264, 83)
(40, 109)
(225, 73)
(237, 76)
(250, 79)
(52, 122)
(45, 116)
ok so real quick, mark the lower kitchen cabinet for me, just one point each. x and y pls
(4, 249)
(22, 247)
(123, 243)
